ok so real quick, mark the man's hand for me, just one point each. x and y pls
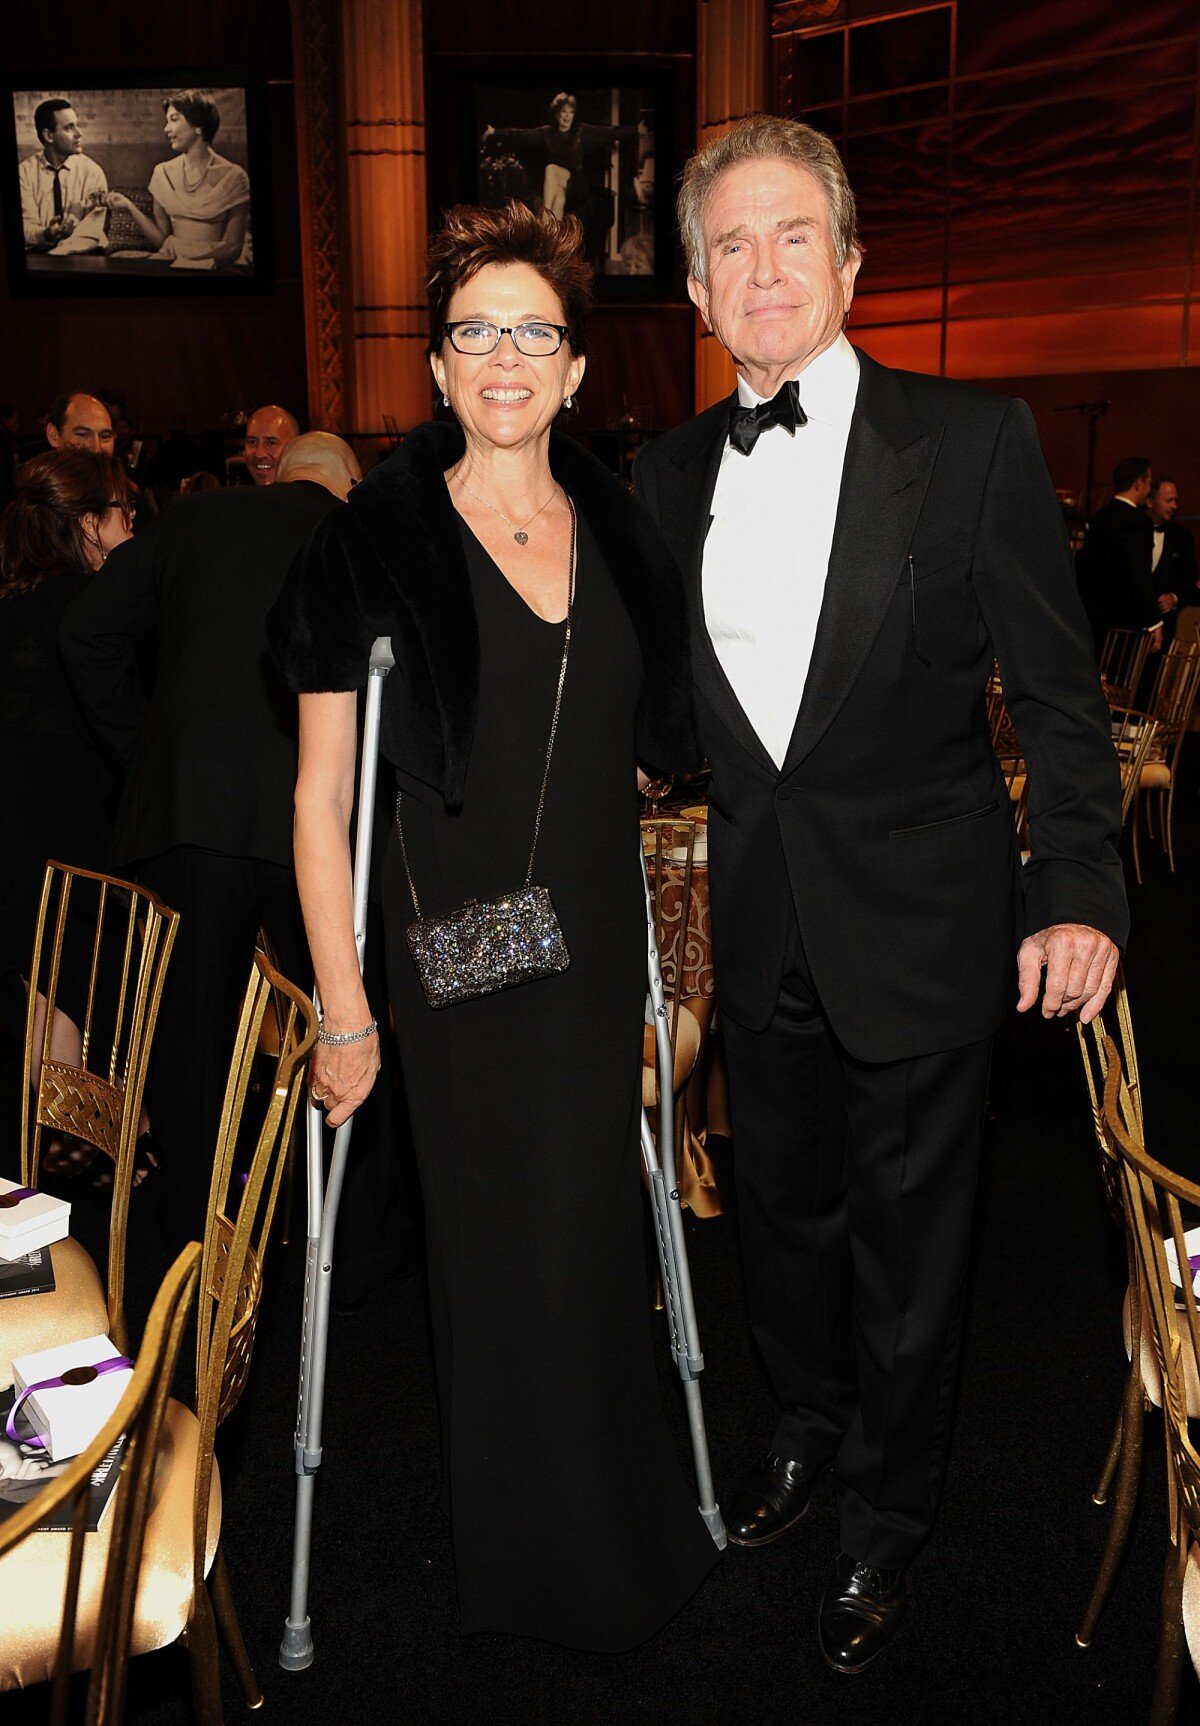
(1156, 634)
(1080, 964)
(59, 228)
(1167, 602)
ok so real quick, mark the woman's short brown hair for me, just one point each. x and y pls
(40, 531)
(470, 239)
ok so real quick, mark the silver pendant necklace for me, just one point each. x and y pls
(519, 533)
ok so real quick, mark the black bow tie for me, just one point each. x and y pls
(783, 409)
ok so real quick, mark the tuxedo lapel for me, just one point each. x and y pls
(886, 475)
(698, 464)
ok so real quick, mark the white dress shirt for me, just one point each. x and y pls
(80, 177)
(767, 551)
(1160, 540)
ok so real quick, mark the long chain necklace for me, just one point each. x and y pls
(195, 185)
(519, 533)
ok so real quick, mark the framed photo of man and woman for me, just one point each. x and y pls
(592, 139)
(133, 185)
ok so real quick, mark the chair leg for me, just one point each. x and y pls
(1168, 821)
(1171, 1642)
(201, 1640)
(231, 1631)
(1135, 823)
(1128, 1471)
(1103, 1485)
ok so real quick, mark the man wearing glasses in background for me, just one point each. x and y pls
(62, 190)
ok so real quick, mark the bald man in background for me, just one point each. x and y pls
(206, 816)
(80, 421)
(269, 431)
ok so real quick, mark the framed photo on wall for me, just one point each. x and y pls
(144, 184)
(595, 140)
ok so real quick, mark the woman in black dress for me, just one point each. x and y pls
(570, 1513)
(69, 509)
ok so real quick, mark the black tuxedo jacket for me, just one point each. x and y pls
(212, 753)
(888, 828)
(1119, 591)
(1176, 573)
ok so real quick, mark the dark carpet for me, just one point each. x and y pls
(996, 1597)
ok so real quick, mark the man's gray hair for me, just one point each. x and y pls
(759, 137)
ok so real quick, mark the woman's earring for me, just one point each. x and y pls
(569, 402)
(445, 399)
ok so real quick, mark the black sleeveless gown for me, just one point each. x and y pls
(572, 1518)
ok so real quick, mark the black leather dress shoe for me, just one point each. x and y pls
(768, 1500)
(860, 1610)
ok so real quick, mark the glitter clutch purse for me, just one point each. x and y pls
(488, 945)
(491, 944)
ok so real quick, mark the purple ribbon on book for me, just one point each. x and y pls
(14, 1197)
(73, 1375)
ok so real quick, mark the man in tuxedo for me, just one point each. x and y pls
(206, 815)
(860, 544)
(1173, 560)
(1114, 563)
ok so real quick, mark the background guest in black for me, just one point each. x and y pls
(68, 512)
(206, 816)
(1113, 567)
(1173, 560)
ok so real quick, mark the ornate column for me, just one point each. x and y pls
(315, 61)
(732, 39)
(385, 227)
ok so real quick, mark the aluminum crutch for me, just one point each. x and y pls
(296, 1649)
(668, 1229)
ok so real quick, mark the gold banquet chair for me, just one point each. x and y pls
(183, 1591)
(101, 948)
(1133, 735)
(1154, 1199)
(69, 1606)
(1122, 661)
(1171, 704)
(1123, 1460)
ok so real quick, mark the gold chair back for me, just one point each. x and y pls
(1175, 686)
(1016, 784)
(1003, 732)
(1115, 1023)
(1133, 734)
(1154, 1200)
(1172, 703)
(100, 954)
(240, 1213)
(139, 1416)
(1122, 661)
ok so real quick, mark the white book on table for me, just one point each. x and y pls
(68, 1416)
(28, 1224)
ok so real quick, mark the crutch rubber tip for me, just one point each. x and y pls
(296, 1650)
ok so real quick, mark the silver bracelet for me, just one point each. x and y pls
(339, 1039)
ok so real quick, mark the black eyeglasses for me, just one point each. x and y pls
(533, 338)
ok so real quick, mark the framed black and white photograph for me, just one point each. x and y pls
(149, 184)
(593, 141)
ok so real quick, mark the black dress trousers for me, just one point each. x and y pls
(222, 903)
(856, 1186)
